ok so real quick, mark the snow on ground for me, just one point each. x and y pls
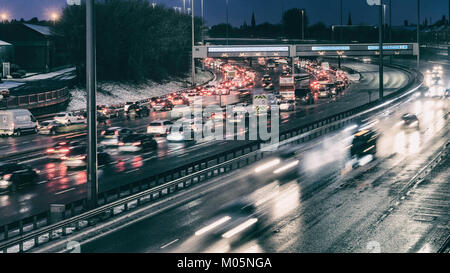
(109, 93)
(48, 75)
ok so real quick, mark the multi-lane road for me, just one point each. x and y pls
(57, 184)
(327, 207)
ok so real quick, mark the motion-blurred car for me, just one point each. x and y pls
(137, 143)
(68, 118)
(49, 127)
(60, 149)
(162, 105)
(232, 222)
(287, 105)
(410, 121)
(159, 127)
(364, 143)
(113, 135)
(77, 158)
(14, 176)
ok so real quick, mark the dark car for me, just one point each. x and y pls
(137, 143)
(304, 96)
(77, 157)
(137, 110)
(14, 176)
(364, 143)
(61, 148)
(410, 121)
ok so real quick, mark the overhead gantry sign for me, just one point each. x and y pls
(312, 50)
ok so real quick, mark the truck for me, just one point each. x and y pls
(287, 87)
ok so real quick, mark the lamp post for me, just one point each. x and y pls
(193, 44)
(381, 83)
(227, 22)
(92, 179)
(418, 34)
(380, 30)
(303, 24)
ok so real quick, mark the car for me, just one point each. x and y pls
(179, 100)
(77, 158)
(162, 105)
(331, 87)
(364, 143)
(103, 111)
(127, 105)
(16, 122)
(113, 135)
(60, 149)
(159, 127)
(410, 121)
(137, 142)
(287, 105)
(323, 92)
(181, 134)
(68, 118)
(49, 127)
(14, 176)
(268, 86)
(232, 222)
(137, 110)
(245, 95)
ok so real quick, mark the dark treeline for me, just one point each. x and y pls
(291, 28)
(135, 41)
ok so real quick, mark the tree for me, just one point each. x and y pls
(292, 23)
(135, 41)
(253, 20)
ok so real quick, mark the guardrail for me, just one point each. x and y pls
(36, 230)
(38, 100)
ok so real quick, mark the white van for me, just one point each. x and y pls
(16, 122)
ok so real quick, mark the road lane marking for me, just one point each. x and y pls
(64, 191)
(168, 244)
(42, 182)
(135, 170)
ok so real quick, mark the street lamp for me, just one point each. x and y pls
(54, 17)
(4, 17)
(303, 24)
(193, 44)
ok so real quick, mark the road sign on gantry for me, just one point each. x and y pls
(374, 2)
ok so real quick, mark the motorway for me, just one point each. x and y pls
(327, 207)
(57, 184)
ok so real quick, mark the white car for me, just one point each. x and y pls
(287, 105)
(68, 118)
(159, 127)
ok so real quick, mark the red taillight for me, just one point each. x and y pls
(103, 133)
(64, 151)
(80, 157)
(50, 150)
(137, 143)
(6, 176)
(121, 143)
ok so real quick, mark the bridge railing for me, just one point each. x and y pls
(37, 230)
(35, 100)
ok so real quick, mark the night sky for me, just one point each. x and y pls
(265, 10)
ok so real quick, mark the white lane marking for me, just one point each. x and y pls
(64, 191)
(135, 170)
(42, 182)
(168, 244)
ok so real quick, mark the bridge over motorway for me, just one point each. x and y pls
(303, 50)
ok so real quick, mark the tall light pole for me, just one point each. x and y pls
(418, 34)
(303, 24)
(381, 83)
(193, 44)
(184, 6)
(92, 179)
(227, 23)
(203, 24)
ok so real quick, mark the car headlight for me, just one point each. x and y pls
(4, 183)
